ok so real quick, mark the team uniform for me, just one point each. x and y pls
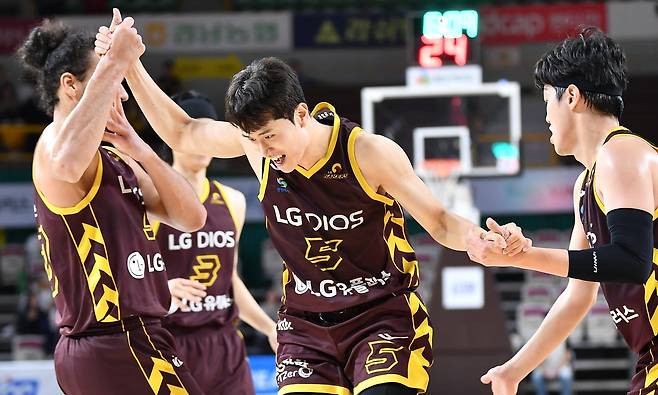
(109, 283)
(350, 318)
(205, 336)
(634, 308)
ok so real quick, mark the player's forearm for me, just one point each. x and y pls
(451, 231)
(167, 119)
(78, 138)
(567, 312)
(250, 311)
(546, 260)
(181, 205)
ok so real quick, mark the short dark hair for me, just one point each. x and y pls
(265, 90)
(593, 62)
(50, 50)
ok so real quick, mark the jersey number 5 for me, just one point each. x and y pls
(382, 356)
(323, 254)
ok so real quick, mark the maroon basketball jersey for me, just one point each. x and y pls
(207, 256)
(342, 243)
(633, 307)
(101, 256)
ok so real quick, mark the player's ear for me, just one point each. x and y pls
(70, 85)
(302, 115)
(573, 96)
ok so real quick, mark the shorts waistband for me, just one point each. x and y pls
(330, 318)
(125, 325)
(199, 330)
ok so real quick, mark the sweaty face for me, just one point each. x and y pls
(558, 117)
(282, 141)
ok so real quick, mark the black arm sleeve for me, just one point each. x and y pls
(627, 259)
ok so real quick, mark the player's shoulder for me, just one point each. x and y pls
(374, 145)
(625, 156)
(235, 197)
(626, 143)
(625, 150)
(225, 189)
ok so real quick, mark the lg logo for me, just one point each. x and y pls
(137, 266)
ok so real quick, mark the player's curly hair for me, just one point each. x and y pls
(267, 89)
(50, 50)
(592, 61)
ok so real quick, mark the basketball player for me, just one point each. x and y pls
(333, 197)
(93, 206)
(204, 264)
(613, 240)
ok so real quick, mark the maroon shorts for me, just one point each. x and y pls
(141, 360)
(645, 379)
(217, 359)
(387, 342)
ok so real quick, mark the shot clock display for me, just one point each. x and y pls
(444, 38)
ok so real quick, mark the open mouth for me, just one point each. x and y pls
(279, 160)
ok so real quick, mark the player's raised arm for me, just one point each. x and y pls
(566, 313)
(168, 196)
(175, 127)
(626, 189)
(385, 165)
(181, 132)
(75, 142)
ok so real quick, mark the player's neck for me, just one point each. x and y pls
(61, 111)
(318, 144)
(592, 131)
(196, 178)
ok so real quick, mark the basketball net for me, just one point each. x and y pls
(442, 178)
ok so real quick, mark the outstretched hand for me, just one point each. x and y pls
(120, 39)
(487, 249)
(104, 35)
(500, 383)
(513, 235)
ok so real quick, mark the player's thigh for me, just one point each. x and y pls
(394, 347)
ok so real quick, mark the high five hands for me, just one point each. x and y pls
(121, 34)
(498, 246)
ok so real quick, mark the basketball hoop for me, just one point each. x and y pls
(441, 168)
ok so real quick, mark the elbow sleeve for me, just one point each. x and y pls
(629, 256)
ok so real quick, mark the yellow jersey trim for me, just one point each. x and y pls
(314, 388)
(156, 380)
(389, 378)
(85, 200)
(598, 199)
(263, 179)
(228, 203)
(132, 350)
(332, 142)
(205, 190)
(113, 149)
(357, 171)
(616, 129)
(155, 226)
